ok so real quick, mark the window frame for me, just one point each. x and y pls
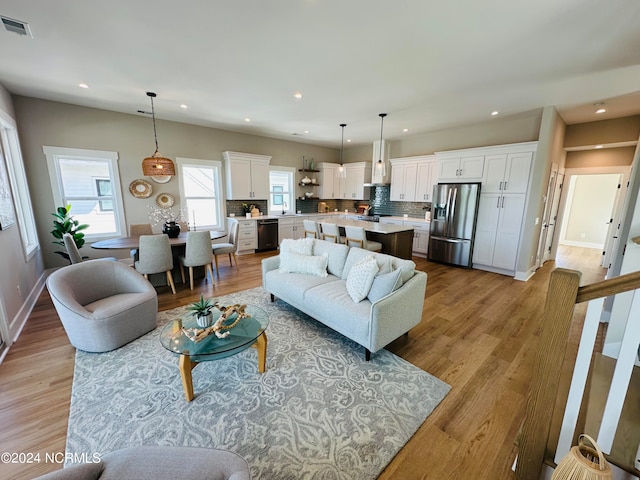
(216, 165)
(54, 154)
(25, 217)
(291, 172)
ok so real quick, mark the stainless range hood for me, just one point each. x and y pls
(376, 179)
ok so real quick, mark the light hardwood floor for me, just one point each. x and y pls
(479, 334)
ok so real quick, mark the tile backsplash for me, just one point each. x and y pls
(379, 200)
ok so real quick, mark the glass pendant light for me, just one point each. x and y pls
(381, 167)
(157, 165)
(342, 172)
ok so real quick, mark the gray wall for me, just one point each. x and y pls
(44, 122)
(20, 280)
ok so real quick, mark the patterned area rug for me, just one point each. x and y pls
(320, 411)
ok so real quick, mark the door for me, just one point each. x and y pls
(611, 241)
(553, 219)
(544, 229)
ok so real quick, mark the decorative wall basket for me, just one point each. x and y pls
(583, 463)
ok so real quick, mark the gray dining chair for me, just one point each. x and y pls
(76, 257)
(357, 237)
(331, 233)
(156, 257)
(198, 253)
(135, 230)
(312, 229)
(229, 247)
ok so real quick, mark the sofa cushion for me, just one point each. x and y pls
(293, 285)
(361, 277)
(337, 255)
(332, 305)
(355, 254)
(384, 284)
(307, 264)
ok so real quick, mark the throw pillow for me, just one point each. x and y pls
(361, 277)
(307, 264)
(302, 246)
(384, 284)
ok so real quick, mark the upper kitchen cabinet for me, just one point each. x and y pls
(507, 173)
(412, 178)
(358, 174)
(247, 176)
(458, 169)
(331, 185)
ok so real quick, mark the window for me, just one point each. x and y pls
(281, 190)
(19, 187)
(201, 193)
(84, 179)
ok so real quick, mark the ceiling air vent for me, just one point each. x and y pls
(16, 26)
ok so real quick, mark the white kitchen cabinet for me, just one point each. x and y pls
(330, 185)
(404, 178)
(247, 236)
(508, 173)
(358, 174)
(420, 237)
(498, 228)
(457, 169)
(412, 178)
(427, 178)
(247, 176)
(290, 227)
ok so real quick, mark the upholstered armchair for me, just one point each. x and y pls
(102, 305)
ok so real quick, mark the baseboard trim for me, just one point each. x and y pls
(525, 276)
(16, 325)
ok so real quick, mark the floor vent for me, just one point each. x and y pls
(16, 26)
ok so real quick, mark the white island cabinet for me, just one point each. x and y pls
(247, 176)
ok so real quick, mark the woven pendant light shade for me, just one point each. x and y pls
(158, 165)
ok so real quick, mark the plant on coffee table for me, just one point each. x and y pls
(202, 311)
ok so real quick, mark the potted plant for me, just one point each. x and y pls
(202, 311)
(247, 209)
(65, 223)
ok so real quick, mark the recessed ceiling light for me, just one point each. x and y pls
(306, 131)
(494, 113)
(247, 119)
(601, 110)
(183, 106)
(405, 129)
(297, 95)
(598, 146)
(83, 85)
(348, 140)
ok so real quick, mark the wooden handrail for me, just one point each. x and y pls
(611, 286)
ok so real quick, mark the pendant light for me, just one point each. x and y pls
(381, 167)
(157, 165)
(342, 172)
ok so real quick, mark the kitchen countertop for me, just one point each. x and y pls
(329, 215)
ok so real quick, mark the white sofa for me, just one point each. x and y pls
(372, 324)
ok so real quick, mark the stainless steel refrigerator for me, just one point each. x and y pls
(454, 209)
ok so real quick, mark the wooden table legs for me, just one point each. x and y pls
(185, 365)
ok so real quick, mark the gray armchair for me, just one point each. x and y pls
(159, 463)
(102, 305)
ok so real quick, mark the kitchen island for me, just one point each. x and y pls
(396, 240)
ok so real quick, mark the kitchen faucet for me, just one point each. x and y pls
(284, 207)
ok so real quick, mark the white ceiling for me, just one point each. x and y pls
(429, 64)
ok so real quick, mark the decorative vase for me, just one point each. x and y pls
(205, 320)
(172, 229)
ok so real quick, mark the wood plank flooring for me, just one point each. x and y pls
(479, 334)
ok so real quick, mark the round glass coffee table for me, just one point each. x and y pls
(249, 332)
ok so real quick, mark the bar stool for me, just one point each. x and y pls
(312, 229)
(358, 237)
(331, 233)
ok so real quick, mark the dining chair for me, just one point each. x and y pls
(331, 233)
(312, 229)
(356, 236)
(184, 226)
(135, 230)
(76, 257)
(197, 254)
(156, 257)
(230, 247)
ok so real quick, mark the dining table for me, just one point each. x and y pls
(134, 242)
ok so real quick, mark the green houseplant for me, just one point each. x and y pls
(65, 223)
(202, 311)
